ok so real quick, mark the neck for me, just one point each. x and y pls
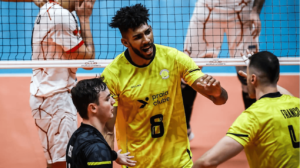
(137, 59)
(262, 90)
(95, 123)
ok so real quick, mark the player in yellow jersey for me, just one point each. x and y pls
(268, 130)
(145, 82)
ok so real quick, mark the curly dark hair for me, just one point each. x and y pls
(85, 92)
(130, 17)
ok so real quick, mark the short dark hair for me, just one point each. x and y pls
(267, 64)
(85, 92)
(130, 17)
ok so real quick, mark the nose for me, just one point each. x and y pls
(112, 101)
(146, 40)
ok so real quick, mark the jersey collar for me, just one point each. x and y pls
(127, 56)
(271, 95)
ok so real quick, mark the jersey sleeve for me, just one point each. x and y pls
(112, 83)
(97, 156)
(66, 33)
(244, 129)
(188, 69)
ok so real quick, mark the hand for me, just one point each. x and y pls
(243, 74)
(246, 57)
(124, 159)
(211, 86)
(255, 21)
(40, 3)
(85, 10)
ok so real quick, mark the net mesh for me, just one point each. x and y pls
(170, 20)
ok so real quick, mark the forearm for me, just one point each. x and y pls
(257, 6)
(110, 137)
(110, 127)
(87, 37)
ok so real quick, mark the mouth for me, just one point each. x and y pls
(148, 50)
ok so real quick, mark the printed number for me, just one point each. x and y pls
(155, 124)
(293, 137)
(38, 20)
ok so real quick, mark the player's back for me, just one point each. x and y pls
(276, 141)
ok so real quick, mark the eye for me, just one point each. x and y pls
(148, 32)
(137, 37)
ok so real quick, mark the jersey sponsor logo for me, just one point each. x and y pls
(290, 113)
(164, 74)
(70, 151)
(160, 98)
(144, 103)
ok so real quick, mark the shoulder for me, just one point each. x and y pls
(118, 63)
(165, 50)
(61, 15)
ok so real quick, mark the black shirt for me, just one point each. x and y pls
(88, 148)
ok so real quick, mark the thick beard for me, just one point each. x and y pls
(137, 52)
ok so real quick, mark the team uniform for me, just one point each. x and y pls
(269, 131)
(55, 34)
(211, 19)
(150, 120)
(88, 148)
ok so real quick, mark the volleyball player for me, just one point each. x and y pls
(268, 130)
(87, 146)
(239, 19)
(55, 37)
(145, 82)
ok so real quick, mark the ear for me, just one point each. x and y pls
(92, 108)
(125, 42)
(254, 80)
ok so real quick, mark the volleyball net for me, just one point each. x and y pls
(217, 27)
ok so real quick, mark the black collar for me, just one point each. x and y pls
(127, 56)
(87, 126)
(271, 95)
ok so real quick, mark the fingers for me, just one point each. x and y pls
(131, 161)
(243, 74)
(208, 80)
(246, 57)
(119, 151)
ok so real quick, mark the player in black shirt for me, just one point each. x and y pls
(87, 146)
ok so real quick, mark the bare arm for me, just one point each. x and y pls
(283, 91)
(211, 88)
(87, 50)
(257, 5)
(225, 149)
(110, 125)
(254, 17)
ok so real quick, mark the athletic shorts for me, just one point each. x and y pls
(208, 26)
(56, 120)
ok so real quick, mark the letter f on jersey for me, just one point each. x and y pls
(143, 102)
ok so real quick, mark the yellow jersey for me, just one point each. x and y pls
(269, 132)
(150, 120)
